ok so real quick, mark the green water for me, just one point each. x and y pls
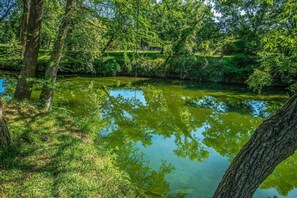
(175, 138)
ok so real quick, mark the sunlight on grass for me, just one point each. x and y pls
(51, 157)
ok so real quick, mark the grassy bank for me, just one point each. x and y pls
(51, 156)
(203, 68)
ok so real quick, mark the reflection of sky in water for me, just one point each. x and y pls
(258, 107)
(212, 103)
(112, 125)
(129, 94)
(192, 177)
(2, 89)
(188, 176)
(195, 179)
(109, 128)
(198, 132)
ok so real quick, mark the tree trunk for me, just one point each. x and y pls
(4, 132)
(107, 44)
(47, 92)
(24, 85)
(25, 19)
(162, 50)
(273, 141)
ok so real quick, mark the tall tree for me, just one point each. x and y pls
(4, 132)
(278, 52)
(24, 25)
(24, 85)
(245, 22)
(273, 141)
(46, 96)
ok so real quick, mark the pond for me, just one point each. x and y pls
(175, 138)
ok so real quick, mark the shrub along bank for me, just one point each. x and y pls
(229, 69)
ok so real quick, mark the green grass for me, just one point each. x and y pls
(50, 156)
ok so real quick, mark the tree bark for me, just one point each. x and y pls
(4, 132)
(24, 85)
(273, 141)
(25, 20)
(47, 92)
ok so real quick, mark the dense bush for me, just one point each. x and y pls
(235, 69)
(78, 61)
(238, 68)
(150, 67)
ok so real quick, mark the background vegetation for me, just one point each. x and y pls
(221, 41)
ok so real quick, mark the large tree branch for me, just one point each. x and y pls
(6, 13)
(273, 141)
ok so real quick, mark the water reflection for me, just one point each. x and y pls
(178, 142)
(257, 108)
(175, 141)
(191, 132)
(209, 102)
(2, 89)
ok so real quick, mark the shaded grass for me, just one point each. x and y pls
(50, 156)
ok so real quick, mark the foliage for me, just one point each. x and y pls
(259, 79)
(110, 67)
(260, 35)
(235, 69)
(51, 21)
(238, 67)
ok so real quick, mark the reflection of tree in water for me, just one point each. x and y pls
(149, 181)
(189, 147)
(228, 132)
(231, 122)
(227, 124)
(283, 178)
(161, 114)
(129, 120)
(221, 104)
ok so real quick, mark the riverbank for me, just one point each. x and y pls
(51, 155)
(201, 68)
(129, 117)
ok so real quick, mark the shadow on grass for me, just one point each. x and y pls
(51, 157)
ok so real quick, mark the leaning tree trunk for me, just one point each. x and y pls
(273, 141)
(25, 19)
(24, 85)
(47, 92)
(4, 132)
